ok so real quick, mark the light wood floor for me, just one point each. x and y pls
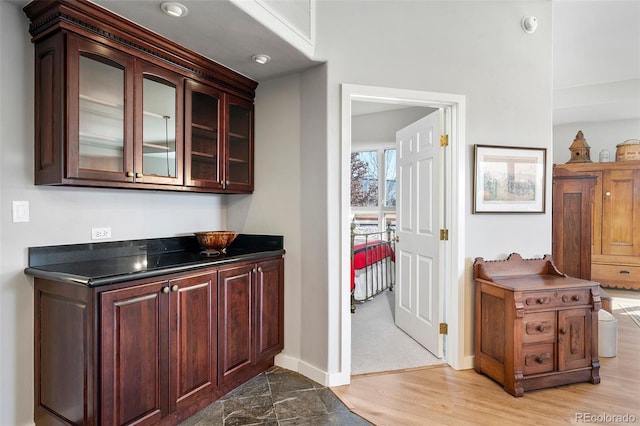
(443, 396)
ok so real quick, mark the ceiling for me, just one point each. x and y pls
(219, 30)
(596, 45)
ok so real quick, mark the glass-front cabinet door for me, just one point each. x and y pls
(101, 136)
(203, 148)
(159, 148)
(239, 154)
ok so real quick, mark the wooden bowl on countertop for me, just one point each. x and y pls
(215, 242)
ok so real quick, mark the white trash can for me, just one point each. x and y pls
(607, 334)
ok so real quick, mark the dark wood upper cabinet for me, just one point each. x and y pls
(239, 144)
(159, 106)
(203, 145)
(119, 106)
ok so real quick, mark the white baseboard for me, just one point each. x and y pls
(314, 373)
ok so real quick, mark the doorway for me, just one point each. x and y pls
(452, 262)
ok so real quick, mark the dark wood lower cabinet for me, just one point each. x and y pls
(251, 316)
(134, 345)
(153, 352)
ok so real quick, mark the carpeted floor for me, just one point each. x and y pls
(378, 345)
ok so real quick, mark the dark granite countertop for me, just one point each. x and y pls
(96, 264)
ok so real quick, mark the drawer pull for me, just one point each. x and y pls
(574, 298)
(542, 358)
(625, 272)
(533, 328)
(563, 330)
(537, 300)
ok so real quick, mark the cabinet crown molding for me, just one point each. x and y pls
(92, 21)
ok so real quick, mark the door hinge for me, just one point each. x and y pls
(444, 140)
(444, 328)
(444, 235)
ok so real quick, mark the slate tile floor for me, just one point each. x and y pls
(277, 397)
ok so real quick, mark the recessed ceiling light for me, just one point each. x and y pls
(261, 58)
(174, 9)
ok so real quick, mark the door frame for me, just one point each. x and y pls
(453, 215)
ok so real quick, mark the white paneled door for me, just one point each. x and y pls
(419, 296)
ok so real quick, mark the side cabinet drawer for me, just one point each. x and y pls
(557, 299)
(539, 327)
(620, 273)
(538, 358)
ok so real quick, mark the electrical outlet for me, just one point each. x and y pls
(100, 233)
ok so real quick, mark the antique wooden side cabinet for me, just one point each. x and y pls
(535, 327)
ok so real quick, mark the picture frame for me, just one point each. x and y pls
(509, 179)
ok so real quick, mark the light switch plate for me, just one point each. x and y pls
(20, 210)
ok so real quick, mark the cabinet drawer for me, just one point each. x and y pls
(556, 299)
(620, 273)
(538, 358)
(539, 327)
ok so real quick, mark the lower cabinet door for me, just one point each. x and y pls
(134, 338)
(235, 321)
(270, 309)
(574, 339)
(192, 370)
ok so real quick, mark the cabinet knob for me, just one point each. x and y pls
(174, 287)
(539, 359)
(563, 330)
(397, 239)
(608, 193)
(139, 175)
(129, 174)
(259, 268)
(575, 297)
(541, 300)
(165, 290)
(253, 270)
(541, 328)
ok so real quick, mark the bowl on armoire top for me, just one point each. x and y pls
(215, 242)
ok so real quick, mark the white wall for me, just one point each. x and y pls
(599, 135)
(505, 75)
(58, 216)
(382, 126)
(274, 208)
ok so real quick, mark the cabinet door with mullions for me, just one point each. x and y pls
(204, 152)
(100, 128)
(159, 143)
(239, 144)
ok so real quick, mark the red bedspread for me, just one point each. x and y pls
(367, 254)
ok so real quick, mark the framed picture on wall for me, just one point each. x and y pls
(509, 179)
